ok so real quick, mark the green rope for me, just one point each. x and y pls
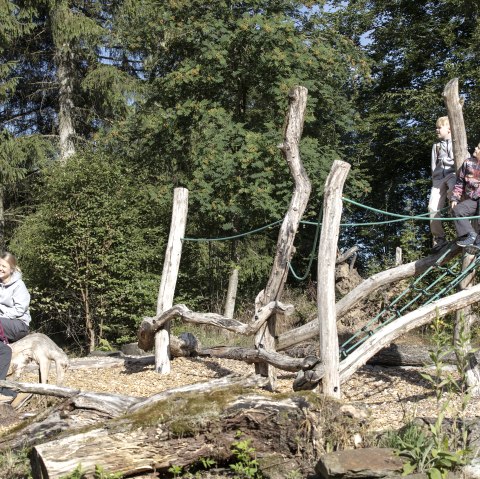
(415, 217)
(240, 235)
(396, 311)
(312, 253)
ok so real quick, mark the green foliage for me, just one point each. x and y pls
(92, 250)
(175, 470)
(246, 465)
(15, 465)
(436, 450)
(79, 473)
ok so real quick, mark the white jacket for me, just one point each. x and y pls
(15, 299)
(443, 163)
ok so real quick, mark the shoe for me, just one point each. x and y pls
(438, 244)
(467, 240)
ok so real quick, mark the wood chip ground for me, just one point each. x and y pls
(392, 395)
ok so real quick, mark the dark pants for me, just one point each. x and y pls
(467, 207)
(14, 330)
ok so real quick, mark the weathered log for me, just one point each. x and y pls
(83, 408)
(231, 294)
(261, 355)
(168, 282)
(190, 427)
(152, 325)
(403, 354)
(110, 404)
(332, 213)
(466, 317)
(389, 333)
(286, 236)
(368, 286)
(341, 258)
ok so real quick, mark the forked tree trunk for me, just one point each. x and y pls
(466, 317)
(286, 236)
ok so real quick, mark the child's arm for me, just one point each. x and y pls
(434, 157)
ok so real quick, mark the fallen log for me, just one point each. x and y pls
(83, 408)
(286, 434)
(150, 326)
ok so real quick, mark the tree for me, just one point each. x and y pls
(415, 47)
(218, 75)
(90, 252)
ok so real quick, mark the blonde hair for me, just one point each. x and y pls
(443, 121)
(11, 260)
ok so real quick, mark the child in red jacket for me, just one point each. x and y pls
(467, 187)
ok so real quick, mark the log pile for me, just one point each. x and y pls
(178, 427)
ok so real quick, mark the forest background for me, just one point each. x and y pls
(108, 105)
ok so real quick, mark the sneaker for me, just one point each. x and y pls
(467, 240)
(438, 244)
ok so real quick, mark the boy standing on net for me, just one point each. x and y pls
(443, 180)
(468, 187)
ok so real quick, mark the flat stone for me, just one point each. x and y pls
(359, 463)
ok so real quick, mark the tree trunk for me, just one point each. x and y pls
(284, 433)
(231, 294)
(2, 217)
(274, 288)
(327, 252)
(171, 265)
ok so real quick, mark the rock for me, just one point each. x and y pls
(132, 349)
(472, 471)
(359, 463)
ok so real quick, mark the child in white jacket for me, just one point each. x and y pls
(443, 180)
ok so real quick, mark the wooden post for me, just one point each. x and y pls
(464, 318)
(332, 212)
(231, 294)
(168, 282)
(398, 256)
(273, 290)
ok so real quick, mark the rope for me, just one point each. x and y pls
(312, 253)
(414, 217)
(395, 311)
(240, 235)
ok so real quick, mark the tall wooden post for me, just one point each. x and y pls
(464, 317)
(168, 282)
(327, 251)
(231, 294)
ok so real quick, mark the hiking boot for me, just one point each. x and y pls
(467, 240)
(438, 244)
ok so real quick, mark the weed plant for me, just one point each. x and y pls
(440, 448)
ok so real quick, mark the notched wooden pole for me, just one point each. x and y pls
(327, 252)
